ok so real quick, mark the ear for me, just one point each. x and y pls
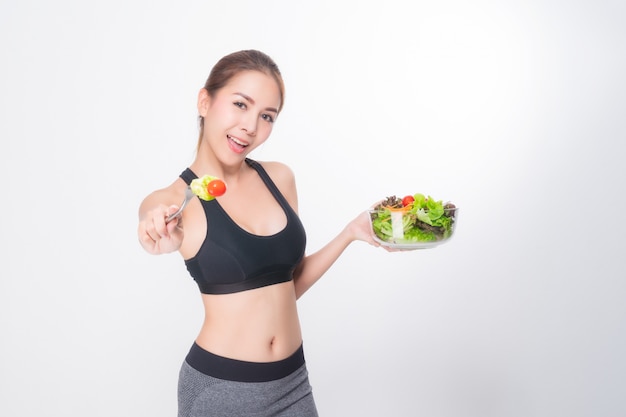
(204, 102)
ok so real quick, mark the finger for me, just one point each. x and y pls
(152, 231)
(172, 222)
(172, 225)
(146, 240)
(155, 224)
(143, 235)
(160, 226)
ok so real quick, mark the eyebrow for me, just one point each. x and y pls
(251, 100)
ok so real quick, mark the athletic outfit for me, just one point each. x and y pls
(232, 260)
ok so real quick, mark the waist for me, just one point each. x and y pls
(260, 325)
(243, 371)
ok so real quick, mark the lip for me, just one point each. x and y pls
(236, 145)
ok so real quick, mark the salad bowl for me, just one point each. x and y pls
(420, 224)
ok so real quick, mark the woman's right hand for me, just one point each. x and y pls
(158, 237)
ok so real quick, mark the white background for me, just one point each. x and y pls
(514, 110)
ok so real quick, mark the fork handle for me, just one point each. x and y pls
(173, 216)
(177, 213)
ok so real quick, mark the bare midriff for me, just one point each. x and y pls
(259, 325)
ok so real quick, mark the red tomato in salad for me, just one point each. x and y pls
(216, 188)
(408, 200)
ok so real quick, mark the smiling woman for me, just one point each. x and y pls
(230, 66)
(250, 265)
(253, 111)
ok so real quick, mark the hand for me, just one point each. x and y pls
(157, 237)
(361, 229)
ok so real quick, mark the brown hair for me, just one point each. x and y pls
(236, 62)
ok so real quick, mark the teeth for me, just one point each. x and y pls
(237, 141)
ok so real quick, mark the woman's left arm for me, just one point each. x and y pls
(315, 265)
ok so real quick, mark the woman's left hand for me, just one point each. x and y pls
(361, 229)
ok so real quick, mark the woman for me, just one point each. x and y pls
(248, 263)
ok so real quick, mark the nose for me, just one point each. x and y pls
(249, 125)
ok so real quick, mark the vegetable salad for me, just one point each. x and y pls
(412, 219)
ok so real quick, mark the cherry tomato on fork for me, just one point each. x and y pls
(408, 200)
(216, 188)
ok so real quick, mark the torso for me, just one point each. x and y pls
(259, 325)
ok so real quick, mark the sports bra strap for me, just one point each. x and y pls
(188, 175)
(268, 181)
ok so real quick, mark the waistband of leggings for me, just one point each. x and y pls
(242, 371)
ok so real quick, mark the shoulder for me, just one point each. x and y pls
(278, 170)
(284, 178)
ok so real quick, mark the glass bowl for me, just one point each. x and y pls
(401, 229)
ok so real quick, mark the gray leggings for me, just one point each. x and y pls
(201, 395)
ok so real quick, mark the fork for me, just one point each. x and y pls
(188, 196)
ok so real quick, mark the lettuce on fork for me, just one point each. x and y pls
(199, 186)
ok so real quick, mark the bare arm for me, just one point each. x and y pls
(314, 266)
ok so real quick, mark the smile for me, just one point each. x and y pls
(237, 141)
(236, 144)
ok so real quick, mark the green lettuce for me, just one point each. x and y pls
(423, 211)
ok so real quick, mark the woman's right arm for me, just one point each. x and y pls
(155, 236)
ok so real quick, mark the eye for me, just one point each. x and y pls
(267, 117)
(240, 104)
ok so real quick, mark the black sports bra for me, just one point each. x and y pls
(232, 260)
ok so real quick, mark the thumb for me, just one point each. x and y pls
(174, 222)
(171, 209)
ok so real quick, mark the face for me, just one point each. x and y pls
(240, 117)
